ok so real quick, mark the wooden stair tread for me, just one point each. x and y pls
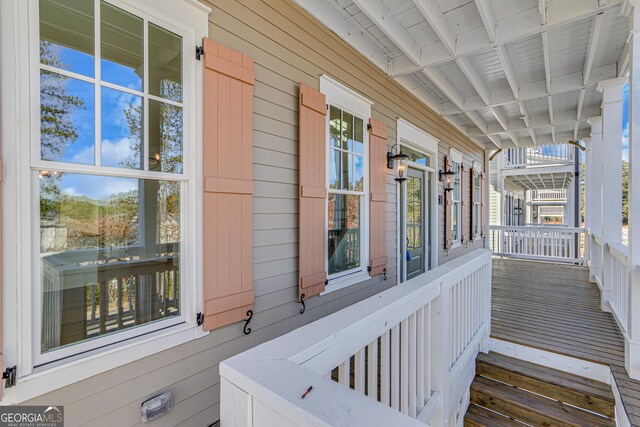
(579, 391)
(531, 408)
(477, 416)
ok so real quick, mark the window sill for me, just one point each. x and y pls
(345, 281)
(456, 244)
(50, 379)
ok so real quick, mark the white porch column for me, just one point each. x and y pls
(587, 201)
(611, 179)
(595, 190)
(632, 341)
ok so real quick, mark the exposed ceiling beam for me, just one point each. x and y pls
(547, 72)
(391, 27)
(445, 86)
(596, 25)
(560, 84)
(488, 19)
(434, 16)
(542, 10)
(510, 29)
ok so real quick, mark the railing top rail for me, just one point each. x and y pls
(555, 229)
(619, 250)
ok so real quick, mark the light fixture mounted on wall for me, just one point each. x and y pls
(399, 163)
(446, 176)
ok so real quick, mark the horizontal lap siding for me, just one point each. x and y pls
(288, 46)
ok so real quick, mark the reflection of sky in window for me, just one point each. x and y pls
(114, 127)
(95, 187)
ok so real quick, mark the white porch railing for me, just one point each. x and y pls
(620, 284)
(547, 155)
(562, 244)
(550, 211)
(546, 195)
(404, 357)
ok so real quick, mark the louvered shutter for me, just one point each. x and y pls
(472, 180)
(378, 197)
(228, 185)
(464, 205)
(313, 192)
(483, 204)
(448, 203)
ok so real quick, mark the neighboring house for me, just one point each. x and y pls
(156, 196)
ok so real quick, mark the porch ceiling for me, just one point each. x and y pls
(506, 73)
(542, 181)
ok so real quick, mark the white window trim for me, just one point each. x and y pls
(477, 202)
(352, 102)
(411, 136)
(19, 33)
(456, 157)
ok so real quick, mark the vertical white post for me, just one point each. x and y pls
(611, 179)
(587, 202)
(595, 189)
(632, 341)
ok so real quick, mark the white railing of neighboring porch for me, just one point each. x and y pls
(547, 155)
(563, 244)
(403, 357)
(545, 195)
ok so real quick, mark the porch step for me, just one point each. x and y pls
(478, 416)
(508, 392)
(585, 393)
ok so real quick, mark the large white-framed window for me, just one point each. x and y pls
(105, 188)
(347, 219)
(456, 197)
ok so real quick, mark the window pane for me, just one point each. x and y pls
(165, 63)
(109, 253)
(335, 173)
(121, 47)
(334, 127)
(165, 137)
(347, 134)
(67, 129)
(358, 139)
(347, 171)
(121, 129)
(358, 173)
(415, 156)
(454, 221)
(344, 232)
(66, 35)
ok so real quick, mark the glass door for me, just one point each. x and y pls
(415, 224)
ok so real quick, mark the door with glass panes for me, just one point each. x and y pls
(415, 224)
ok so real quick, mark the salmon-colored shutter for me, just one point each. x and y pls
(448, 203)
(464, 203)
(483, 204)
(472, 180)
(228, 185)
(313, 193)
(1, 176)
(378, 198)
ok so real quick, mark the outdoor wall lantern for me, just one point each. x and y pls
(447, 179)
(399, 163)
(518, 211)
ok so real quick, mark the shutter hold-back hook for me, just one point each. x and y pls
(247, 330)
(304, 307)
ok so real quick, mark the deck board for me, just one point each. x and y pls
(554, 307)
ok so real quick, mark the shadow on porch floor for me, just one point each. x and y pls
(554, 307)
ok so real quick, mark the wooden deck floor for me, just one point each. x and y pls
(554, 307)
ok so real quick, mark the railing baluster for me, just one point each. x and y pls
(359, 372)
(372, 369)
(344, 373)
(395, 367)
(404, 366)
(412, 365)
(385, 367)
(420, 332)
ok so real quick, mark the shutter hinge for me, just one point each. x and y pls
(368, 126)
(368, 269)
(200, 319)
(9, 377)
(199, 52)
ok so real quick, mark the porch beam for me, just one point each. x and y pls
(596, 25)
(508, 30)
(488, 19)
(547, 72)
